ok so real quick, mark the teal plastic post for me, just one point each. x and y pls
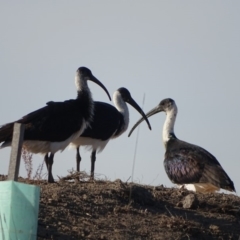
(19, 205)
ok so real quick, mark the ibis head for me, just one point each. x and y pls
(165, 105)
(84, 74)
(126, 96)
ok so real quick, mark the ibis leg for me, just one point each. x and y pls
(93, 159)
(50, 163)
(46, 160)
(78, 160)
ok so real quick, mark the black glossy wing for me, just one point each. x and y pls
(186, 163)
(105, 122)
(6, 132)
(55, 122)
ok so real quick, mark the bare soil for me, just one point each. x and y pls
(73, 209)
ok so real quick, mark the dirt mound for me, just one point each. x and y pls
(70, 209)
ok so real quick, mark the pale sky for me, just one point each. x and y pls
(186, 50)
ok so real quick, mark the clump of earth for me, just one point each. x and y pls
(76, 208)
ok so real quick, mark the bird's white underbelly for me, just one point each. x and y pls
(44, 147)
(201, 187)
(89, 143)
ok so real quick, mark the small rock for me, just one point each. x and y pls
(214, 228)
(160, 187)
(190, 201)
(179, 204)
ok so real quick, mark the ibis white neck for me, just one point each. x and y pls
(122, 108)
(81, 84)
(83, 91)
(168, 127)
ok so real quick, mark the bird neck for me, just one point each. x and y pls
(122, 107)
(84, 95)
(81, 84)
(168, 127)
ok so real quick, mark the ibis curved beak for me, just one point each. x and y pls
(95, 80)
(136, 106)
(149, 114)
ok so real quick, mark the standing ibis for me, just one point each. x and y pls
(108, 122)
(53, 127)
(187, 164)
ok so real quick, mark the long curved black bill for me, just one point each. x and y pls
(95, 80)
(149, 114)
(136, 106)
